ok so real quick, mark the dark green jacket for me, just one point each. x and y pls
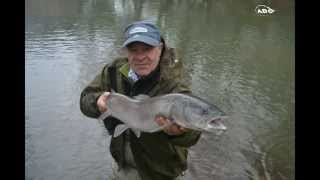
(158, 156)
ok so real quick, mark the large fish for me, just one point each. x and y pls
(139, 113)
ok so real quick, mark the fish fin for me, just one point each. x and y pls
(136, 132)
(141, 97)
(119, 129)
(104, 115)
(112, 90)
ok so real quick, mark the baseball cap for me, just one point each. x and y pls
(142, 31)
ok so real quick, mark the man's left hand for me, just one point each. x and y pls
(172, 129)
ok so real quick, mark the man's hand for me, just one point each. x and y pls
(102, 102)
(172, 129)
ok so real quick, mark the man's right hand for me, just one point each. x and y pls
(102, 102)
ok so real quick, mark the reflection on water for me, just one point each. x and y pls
(239, 61)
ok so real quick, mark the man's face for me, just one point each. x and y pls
(143, 58)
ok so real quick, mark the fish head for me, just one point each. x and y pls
(204, 116)
(216, 124)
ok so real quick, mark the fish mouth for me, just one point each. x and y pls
(216, 123)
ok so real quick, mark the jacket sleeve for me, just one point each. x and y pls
(90, 95)
(186, 139)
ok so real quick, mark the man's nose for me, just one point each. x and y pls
(140, 55)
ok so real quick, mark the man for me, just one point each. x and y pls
(152, 68)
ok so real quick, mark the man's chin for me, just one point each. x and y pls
(142, 73)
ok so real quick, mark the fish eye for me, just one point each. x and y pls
(202, 112)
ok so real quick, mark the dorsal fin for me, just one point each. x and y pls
(112, 90)
(141, 97)
(136, 132)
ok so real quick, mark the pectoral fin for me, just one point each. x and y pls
(136, 132)
(119, 129)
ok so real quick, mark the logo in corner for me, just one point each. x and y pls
(263, 10)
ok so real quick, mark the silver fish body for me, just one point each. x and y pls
(139, 113)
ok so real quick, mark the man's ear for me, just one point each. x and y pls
(123, 51)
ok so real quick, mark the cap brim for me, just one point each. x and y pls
(144, 39)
